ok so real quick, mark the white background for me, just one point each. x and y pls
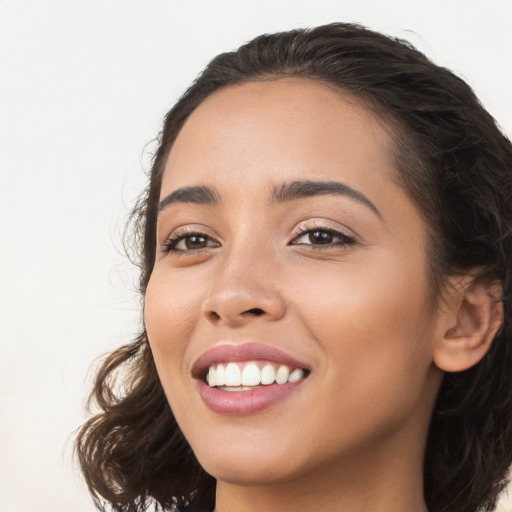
(83, 87)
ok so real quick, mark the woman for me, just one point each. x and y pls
(326, 254)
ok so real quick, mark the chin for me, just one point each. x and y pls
(247, 473)
(248, 465)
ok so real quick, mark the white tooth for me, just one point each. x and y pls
(232, 375)
(236, 389)
(268, 374)
(219, 375)
(282, 374)
(250, 375)
(211, 377)
(296, 375)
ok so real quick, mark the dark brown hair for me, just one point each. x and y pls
(455, 164)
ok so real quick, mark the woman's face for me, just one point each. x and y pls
(285, 244)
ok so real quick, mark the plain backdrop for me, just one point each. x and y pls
(84, 86)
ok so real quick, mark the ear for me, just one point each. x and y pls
(470, 324)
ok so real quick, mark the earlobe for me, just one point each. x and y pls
(475, 317)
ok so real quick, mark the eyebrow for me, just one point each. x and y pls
(303, 189)
(195, 195)
(204, 195)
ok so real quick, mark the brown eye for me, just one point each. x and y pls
(189, 243)
(193, 242)
(323, 237)
(320, 237)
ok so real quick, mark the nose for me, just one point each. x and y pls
(244, 290)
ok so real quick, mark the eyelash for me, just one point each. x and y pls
(345, 240)
(179, 236)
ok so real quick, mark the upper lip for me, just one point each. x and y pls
(227, 353)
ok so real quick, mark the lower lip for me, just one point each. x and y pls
(237, 403)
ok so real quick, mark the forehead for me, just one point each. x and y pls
(288, 126)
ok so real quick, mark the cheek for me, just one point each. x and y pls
(385, 295)
(373, 322)
(170, 313)
(376, 335)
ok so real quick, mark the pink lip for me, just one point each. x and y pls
(246, 352)
(244, 402)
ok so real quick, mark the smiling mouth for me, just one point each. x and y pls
(250, 375)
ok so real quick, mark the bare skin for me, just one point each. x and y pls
(336, 279)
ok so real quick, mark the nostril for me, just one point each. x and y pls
(254, 311)
(214, 315)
